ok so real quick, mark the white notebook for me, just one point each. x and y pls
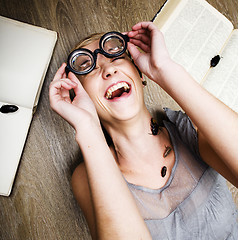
(25, 53)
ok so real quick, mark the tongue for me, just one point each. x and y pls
(118, 92)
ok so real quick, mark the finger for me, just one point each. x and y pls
(73, 78)
(65, 92)
(56, 93)
(60, 72)
(155, 35)
(56, 87)
(135, 32)
(144, 47)
(145, 25)
(142, 37)
(78, 89)
(135, 53)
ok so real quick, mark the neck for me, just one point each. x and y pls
(133, 140)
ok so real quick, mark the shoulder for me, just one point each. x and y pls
(80, 182)
(179, 123)
(82, 194)
(80, 186)
(197, 143)
(79, 173)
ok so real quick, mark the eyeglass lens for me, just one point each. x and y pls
(113, 45)
(82, 62)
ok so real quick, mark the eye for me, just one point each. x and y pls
(85, 64)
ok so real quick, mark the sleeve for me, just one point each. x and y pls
(185, 128)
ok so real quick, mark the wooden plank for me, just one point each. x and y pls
(42, 205)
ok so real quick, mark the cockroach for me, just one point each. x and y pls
(215, 60)
(8, 108)
(163, 171)
(167, 151)
(154, 127)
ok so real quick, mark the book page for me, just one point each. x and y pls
(222, 80)
(194, 33)
(25, 53)
(14, 128)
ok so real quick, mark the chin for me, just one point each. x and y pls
(126, 115)
(122, 113)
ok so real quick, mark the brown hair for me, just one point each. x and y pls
(85, 41)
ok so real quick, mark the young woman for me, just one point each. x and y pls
(151, 182)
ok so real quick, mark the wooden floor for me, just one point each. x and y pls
(42, 205)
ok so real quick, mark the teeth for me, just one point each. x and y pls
(115, 87)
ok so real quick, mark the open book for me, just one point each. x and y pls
(195, 33)
(25, 53)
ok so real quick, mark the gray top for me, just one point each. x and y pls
(195, 203)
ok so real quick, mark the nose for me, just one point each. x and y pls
(108, 68)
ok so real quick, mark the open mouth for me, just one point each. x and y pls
(117, 90)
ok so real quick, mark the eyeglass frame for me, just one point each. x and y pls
(100, 50)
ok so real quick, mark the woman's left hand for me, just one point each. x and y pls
(150, 40)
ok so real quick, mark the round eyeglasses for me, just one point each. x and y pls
(82, 61)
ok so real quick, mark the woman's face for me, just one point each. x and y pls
(114, 86)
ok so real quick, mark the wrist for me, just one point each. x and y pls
(165, 74)
(88, 131)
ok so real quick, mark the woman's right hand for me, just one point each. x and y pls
(79, 112)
